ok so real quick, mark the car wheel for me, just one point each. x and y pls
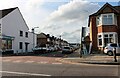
(110, 53)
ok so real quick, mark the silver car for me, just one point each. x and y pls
(110, 47)
(66, 49)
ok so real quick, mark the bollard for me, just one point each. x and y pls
(114, 53)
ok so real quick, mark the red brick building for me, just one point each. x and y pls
(105, 26)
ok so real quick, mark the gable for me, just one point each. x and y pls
(41, 35)
(107, 8)
(6, 12)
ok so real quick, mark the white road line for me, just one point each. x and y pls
(43, 62)
(6, 60)
(56, 63)
(22, 73)
(17, 61)
(29, 61)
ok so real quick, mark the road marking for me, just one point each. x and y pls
(29, 61)
(43, 62)
(22, 73)
(6, 60)
(56, 63)
(17, 61)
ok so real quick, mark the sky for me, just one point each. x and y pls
(57, 17)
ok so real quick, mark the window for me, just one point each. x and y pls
(99, 40)
(113, 45)
(107, 19)
(21, 33)
(108, 38)
(26, 34)
(6, 44)
(20, 45)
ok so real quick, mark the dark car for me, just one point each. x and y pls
(39, 50)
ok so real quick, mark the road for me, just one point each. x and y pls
(48, 66)
(57, 69)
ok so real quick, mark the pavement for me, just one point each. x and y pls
(90, 59)
(74, 58)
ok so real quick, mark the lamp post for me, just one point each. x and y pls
(33, 31)
(60, 42)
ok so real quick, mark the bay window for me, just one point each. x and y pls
(105, 38)
(6, 44)
(108, 38)
(106, 19)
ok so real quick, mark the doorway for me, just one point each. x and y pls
(26, 47)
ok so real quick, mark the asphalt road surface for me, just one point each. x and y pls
(35, 69)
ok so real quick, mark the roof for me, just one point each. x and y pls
(41, 35)
(115, 8)
(6, 11)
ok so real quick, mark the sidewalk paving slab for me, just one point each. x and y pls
(92, 59)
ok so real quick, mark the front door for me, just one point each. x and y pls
(26, 47)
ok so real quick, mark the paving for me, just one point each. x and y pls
(59, 58)
(90, 59)
(48, 58)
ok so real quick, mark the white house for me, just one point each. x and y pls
(15, 32)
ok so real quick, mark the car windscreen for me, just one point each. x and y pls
(66, 47)
(113, 45)
(119, 45)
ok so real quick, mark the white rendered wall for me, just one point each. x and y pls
(11, 26)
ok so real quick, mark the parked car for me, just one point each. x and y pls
(110, 47)
(38, 50)
(52, 49)
(67, 50)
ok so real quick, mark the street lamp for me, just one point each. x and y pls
(60, 42)
(33, 31)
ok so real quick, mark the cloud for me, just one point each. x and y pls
(71, 17)
(73, 11)
(65, 19)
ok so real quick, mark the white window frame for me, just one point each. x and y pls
(114, 21)
(102, 36)
(99, 38)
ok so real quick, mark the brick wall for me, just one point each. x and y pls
(118, 28)
(93, 32)
(41, 41)
(107, 28)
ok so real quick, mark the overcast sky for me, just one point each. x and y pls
(56, 17)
